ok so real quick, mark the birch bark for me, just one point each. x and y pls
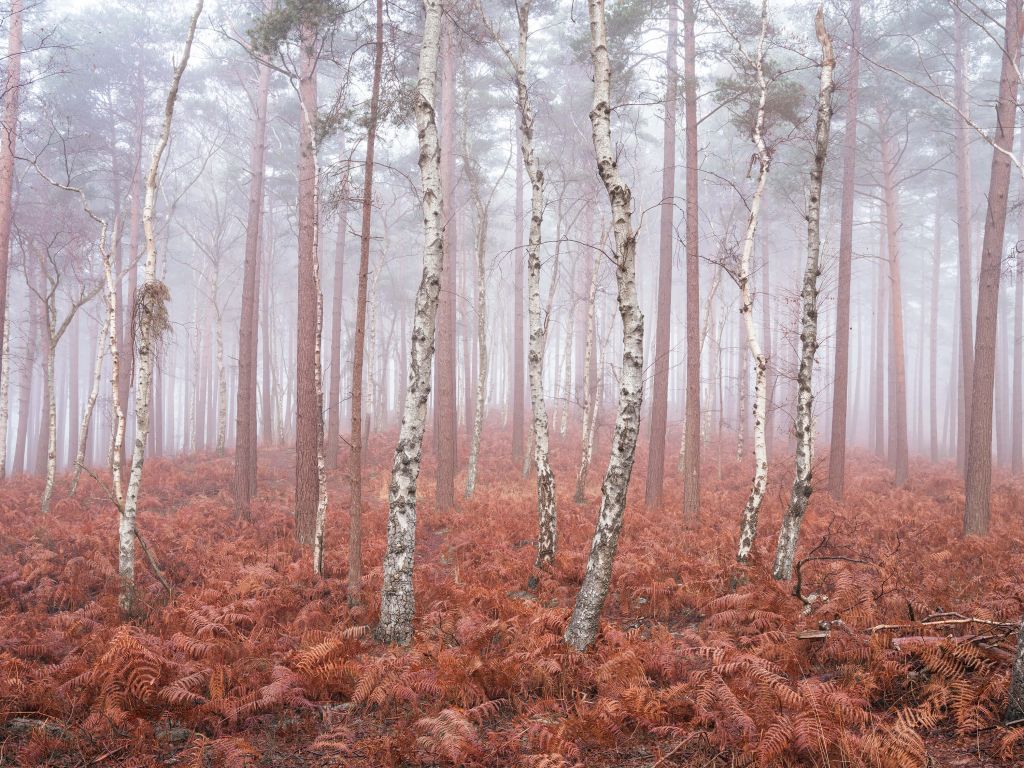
(397, 596)
(583, 625)
(801, 492)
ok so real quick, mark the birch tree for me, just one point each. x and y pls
(90, 405)
(748, 524)
(397, 598)
(150, 324)
(583, 625)
(801, 491)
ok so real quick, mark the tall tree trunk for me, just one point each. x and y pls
(245, 431)
(445, 370)
(266, 392)
(691, 440)
(308, 419)
(1017, 333)
(589, 387)
(1015, 709)
(933, 342)
(516, 369)
(397, 598)
(337, 318)
(355, 531)
(841, 386)
(5, 397)
(151, 322)
(748, 525)
(8, 143)
(963, 225)
(979, 430)
(663, 322)
(790, 530)
(547, 521)
(479, 411)
(900, 457)
(583, 625)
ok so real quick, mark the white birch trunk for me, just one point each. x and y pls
(481, 340)
(583, 625)
(790, 530)
(589, 402)
(90, 404)
(748, 525)
(397, 597)
(222, 380)
(150, 313)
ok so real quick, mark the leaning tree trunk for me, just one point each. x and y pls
(90, 404)
(150, 322)
(790, 530)
(583, 624)
(1015, 710)
(748, 526)
(978, 479)
(397, 598)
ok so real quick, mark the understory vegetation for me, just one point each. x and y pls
(895, 652)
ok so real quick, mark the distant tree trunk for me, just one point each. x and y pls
(979, 442)
(666, 236)
(771, 378)
(479, 411)
(878, 375)
(445, 370)
(691, 440)
(963, 225)
(245, 431)
(150, 322)
(841, 386)
(748, 525)
(397, 598)
(5, 397)
(516, 370)
(590, 404)
(90, 404)
(74, 407)
(25, 394)
(900, 458)
(8, 143)
(583, 625)
(790, 530)
(267, 394)
(1017, 333)
(222, 381)
(933, 349)
(308, 420)
(355, 535)
(337, 317)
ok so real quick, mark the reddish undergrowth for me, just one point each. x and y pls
(255, 662)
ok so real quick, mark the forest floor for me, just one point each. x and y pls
(255, 662)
